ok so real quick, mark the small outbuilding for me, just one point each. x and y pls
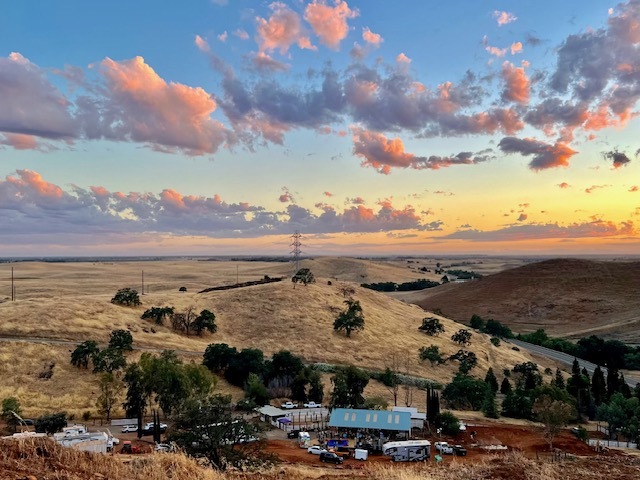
(271, 414)
(417, 418)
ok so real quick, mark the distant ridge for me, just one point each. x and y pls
(566, 297)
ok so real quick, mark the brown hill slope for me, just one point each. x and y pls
(567, 297)
(270, 317)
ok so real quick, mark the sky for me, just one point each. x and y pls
(371, 127)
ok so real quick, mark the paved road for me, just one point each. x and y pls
(567, 359)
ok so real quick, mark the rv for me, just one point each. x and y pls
(304, 439)
(408, 451)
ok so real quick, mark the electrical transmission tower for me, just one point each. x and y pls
(296, 252)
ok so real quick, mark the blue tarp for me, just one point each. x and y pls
(284, 420)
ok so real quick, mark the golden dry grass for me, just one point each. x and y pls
(20, 459)
(271, 317)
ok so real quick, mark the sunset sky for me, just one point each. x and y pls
(373, 127)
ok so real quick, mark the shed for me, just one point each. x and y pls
(417, 418)
(269, 413)
(370, 419)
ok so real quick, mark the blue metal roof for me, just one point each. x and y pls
(372, 419)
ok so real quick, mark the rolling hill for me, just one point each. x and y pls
(56, 303)
(567, 297)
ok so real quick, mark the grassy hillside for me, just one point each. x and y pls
(566, 297)
(270, 317)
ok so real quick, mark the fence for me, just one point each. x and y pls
(599, 443)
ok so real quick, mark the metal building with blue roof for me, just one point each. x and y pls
(370, 419)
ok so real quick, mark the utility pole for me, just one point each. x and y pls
(13, 288)
(296, 252)
(142, 282)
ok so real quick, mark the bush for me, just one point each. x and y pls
(448, 422)
(495, 341)
(127, 297)
(431, 326)
(52, 423)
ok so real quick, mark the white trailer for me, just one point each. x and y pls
(408, 451)
(360, 454)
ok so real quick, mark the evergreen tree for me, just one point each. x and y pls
(613, 382)
(491, 380)
(598, 386)
(489, 407)
(624, 387)
(505, 386)
(558, 381)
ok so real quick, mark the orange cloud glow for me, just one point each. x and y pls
(518, 87)
(329, 23)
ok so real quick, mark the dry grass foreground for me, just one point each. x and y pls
(43, 459)
(271, 317)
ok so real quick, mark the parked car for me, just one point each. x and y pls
(129, 428)
(444, 448)
(312, 405)
(459, 451)
(163, 448)
(293, 434)
(289, 405)
(330, 457)
(316, 450)
(344, 452)
(148, 428)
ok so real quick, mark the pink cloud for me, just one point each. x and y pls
(284, 198)
(517, 85)
(37, 184)
(282, 30)
(145, 108)
(328, 194)
(503, 18)
(19, 141)
(564, 185)
(357, 201)
(522, 217)
(264, 62)
(202, 44)
(634, 188)
(329, 23)
(544, 155)
(371, 38)
(516, 48)
(403, 59)
(383, 154)
(223, 36)
(30, 104)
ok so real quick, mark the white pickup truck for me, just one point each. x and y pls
(312, 405)
(444, 448)
(289, 405)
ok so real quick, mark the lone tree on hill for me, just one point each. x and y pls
(121, 340)
(431, 353)
(205, 321)
(431, 326)
(351, 319)
(157, 314)
(462, 337)
(304, 276)
(83, 353)
(127, 297)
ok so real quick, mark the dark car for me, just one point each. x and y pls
(293, 434)
(330, 457)
(459, 451)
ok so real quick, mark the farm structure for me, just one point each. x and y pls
(417, 418)
(370, 428)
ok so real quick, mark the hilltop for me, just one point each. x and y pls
(66, 306)
(567, 297)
